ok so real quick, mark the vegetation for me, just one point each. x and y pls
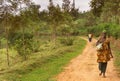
(30, 37)
(46, 67)
(117, 63)
(107, 17)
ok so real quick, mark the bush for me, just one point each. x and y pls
(2, 42)
(24, 47)
(112, 29)
(67, 41)
(35, 45)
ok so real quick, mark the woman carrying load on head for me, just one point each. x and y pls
(104, 54)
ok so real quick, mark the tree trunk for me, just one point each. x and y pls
(54, 34)
(25, 58)
(7, 53)
(7, 46)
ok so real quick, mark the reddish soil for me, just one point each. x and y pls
(85, 68)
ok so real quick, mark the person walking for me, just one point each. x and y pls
(90, 37)
(104, 54)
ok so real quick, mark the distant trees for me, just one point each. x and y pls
(59, 16)
(24, 24)
(108, 10)
(107, 15)
(66, 5)
(96, 7)
(54, 17)
(111, 11)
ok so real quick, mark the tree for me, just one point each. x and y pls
(55, 17)
(6, 11)
(96, 7)
(74, 11)
(9, 9)
(66, 5)
(111, 11)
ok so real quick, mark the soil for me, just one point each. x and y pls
(85, 67)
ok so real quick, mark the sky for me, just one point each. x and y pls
(83, 5)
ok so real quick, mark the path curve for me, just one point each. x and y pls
(85, 68)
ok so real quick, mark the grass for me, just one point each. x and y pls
(117, 60)
(46, 68)
(3, 56)
(54, 65)
(116, 53)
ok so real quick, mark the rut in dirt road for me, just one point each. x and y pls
(85, 67)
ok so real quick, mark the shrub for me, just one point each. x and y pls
(26, 46)
(67, 41)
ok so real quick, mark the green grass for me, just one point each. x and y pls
(44, 68)
(117, 62)
(54, 65)
(116, 53)
(3, 63)
(117, 59)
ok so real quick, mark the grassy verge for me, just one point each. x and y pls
(116, 52)
(117, 60)
(54, 65)
(46, 68)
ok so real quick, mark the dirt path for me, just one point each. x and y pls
(85, 68)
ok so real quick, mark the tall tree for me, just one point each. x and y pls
(66, 5)
(8, 8)
(111, 11)
(54, 17)
(96, 7)
(74, 11)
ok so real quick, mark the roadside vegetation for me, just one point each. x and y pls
(34, 38)
(42, 65)
(115, 46)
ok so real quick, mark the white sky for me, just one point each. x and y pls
(83, 5)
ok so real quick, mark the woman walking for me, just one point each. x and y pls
(104, 53)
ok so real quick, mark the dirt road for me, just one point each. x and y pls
(85, 68)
